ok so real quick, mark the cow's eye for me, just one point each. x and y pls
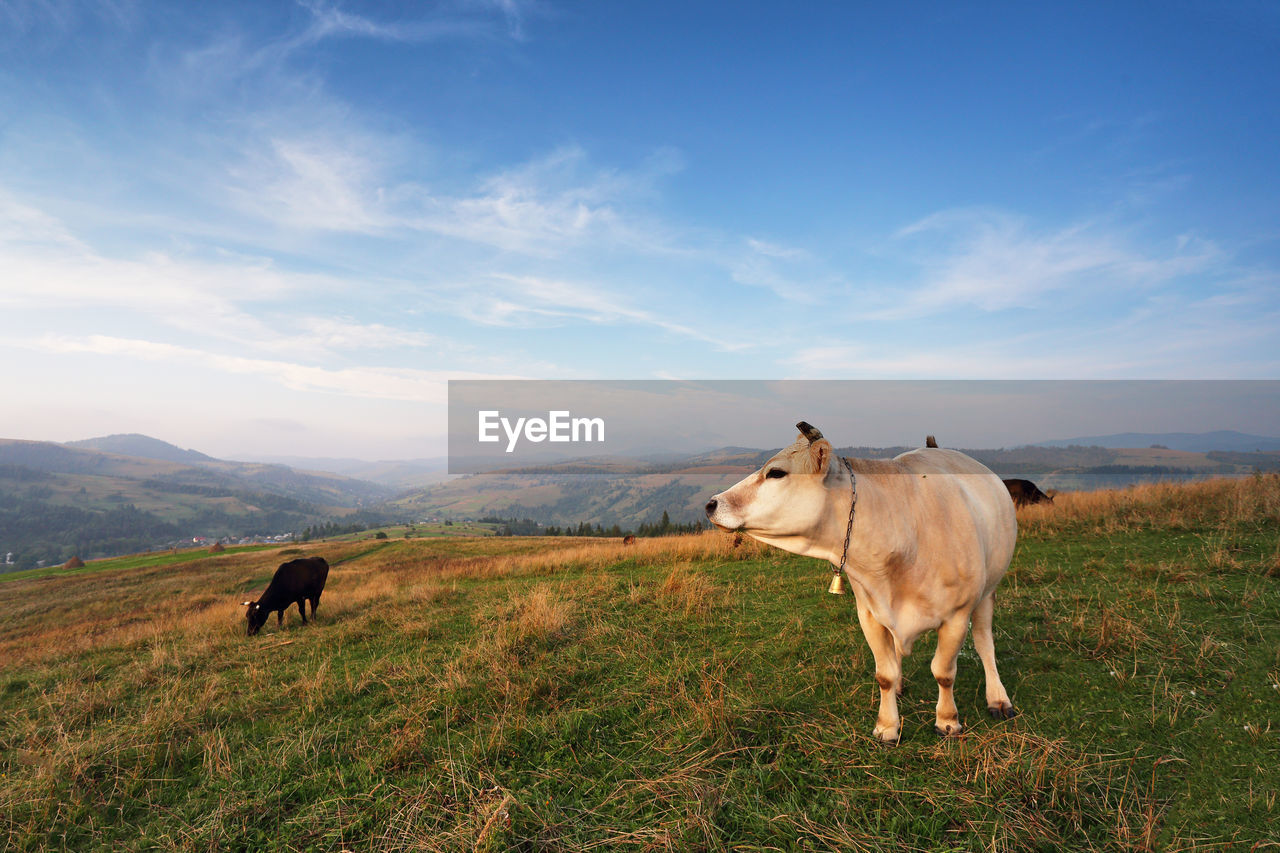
(775, 474)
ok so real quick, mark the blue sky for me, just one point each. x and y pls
(281, 227)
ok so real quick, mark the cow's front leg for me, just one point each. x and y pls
(888, 674)
(950, 639)
(279, 617)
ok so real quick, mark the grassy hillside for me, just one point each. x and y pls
(58, 501)
(52, 517)
(172, 557)
(191, 469)
(683, 694)
(626, 500)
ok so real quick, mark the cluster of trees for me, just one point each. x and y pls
(665, 527)
(35, 530)
(529, 527)
(332, 528)
(513, 527)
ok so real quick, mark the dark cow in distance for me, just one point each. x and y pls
(295, 582)
(1026, 492)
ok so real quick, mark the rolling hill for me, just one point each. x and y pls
(141, 446)
(399, 474)
(60, 500)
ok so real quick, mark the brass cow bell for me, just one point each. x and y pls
(837, 584)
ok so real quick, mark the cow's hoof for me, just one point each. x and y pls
(949, 730)
(1002, 712)
(887, 736)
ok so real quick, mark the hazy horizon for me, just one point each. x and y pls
(656, 417)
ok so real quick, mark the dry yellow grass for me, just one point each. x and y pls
(1219, 503)
(690, 591)
(46, 618)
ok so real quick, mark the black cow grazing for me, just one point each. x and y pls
(1026, 492)
(295, 582)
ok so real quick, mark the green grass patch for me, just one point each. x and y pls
(426, 530)
(683, 695)
(132, 561)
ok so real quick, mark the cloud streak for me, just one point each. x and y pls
(380, 383)
(992, 261)
(529, 299)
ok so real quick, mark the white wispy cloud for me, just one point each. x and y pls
(792, 274)
(444, 20)
(343, 333)
(994, 260)
(244, 301)
(220, 64)
(338, 177)
(383, 383)
(24, 16)
(1174, 335)
(321, 181)
(518, 300)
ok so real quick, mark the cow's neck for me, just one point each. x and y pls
(825, 539)
(868, 561)
(866, 566)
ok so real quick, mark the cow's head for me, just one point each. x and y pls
(255, 616)
(785, 498)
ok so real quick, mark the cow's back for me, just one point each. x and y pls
(302, 577)
(956, 498)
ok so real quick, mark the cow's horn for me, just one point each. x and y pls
(809, 431)
(243, 603)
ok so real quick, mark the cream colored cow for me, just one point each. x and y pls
(932, 535)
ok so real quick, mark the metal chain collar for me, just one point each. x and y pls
(853, 503)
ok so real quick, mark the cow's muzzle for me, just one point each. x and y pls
(714, 507)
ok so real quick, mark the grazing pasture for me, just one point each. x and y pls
(679, 694)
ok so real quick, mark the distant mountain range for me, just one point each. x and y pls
(142, 446)
(152, 459)
(1196, 442)
(121, 493)
(393, 473)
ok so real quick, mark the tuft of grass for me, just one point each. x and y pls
(689, 591)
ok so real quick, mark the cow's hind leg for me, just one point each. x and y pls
(888, 674)
(998, 703)
(302, 609)
(950, 639)
(315, 602)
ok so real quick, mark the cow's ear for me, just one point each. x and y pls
(820, 454)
